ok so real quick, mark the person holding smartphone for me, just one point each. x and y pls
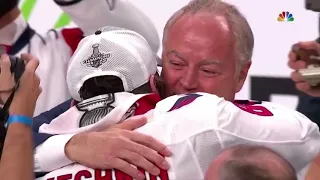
(309, 105)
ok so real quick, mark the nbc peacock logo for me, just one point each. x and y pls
(285, 16)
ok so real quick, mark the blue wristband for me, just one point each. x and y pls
(19, 119)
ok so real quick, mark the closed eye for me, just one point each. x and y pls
(175, 64)
(210, 72)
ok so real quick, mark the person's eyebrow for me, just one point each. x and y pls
(175, 53)
(209, 62)
(203, 62)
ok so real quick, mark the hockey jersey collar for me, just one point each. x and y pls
(11, 32)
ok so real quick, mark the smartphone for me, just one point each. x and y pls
(311, 74)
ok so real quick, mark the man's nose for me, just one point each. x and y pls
(189, 80)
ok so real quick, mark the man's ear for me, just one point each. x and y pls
(73, 103)
(153, 81)
(242, 76)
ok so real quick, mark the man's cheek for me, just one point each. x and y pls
(211, 86)
(170, 76)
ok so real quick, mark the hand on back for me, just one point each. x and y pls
(119, 146)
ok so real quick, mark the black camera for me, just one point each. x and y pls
(17, 67)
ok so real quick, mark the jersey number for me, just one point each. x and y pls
(251, 107)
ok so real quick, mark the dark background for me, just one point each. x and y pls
(261, 88)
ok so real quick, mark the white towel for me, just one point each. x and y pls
(96, 113)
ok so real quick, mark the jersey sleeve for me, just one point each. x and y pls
(284, 130)
(45, 143)
(121, 13)
(281, 129)
(50, 155)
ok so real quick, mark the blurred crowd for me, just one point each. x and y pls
(68, 107)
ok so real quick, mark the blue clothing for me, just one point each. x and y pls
(310, 107)
(47, 117)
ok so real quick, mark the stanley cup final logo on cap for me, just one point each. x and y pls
(97, 58)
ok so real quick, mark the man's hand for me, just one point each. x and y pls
(313, 172)
(26, 95)
(118, 147)
(296, 65)
(6, 79)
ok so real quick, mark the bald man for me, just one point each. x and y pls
(246, 162)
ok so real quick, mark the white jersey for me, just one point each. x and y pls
(197, 127)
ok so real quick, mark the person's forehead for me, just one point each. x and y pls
(203, 23)
(200, 36)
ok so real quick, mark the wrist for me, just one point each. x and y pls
(19, 119)
(19, 129)
(18, 107)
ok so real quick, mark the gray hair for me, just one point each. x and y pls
(238, 25)
(244, 163)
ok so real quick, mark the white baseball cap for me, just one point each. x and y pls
(111, 51)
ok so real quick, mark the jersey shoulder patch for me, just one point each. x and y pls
(184, 100)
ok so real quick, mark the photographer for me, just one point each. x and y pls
(309, 105)
(17, 157)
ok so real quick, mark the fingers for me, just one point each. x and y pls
(37, 84)
(296, 77)
(27, 57)
(304, 86)
(309, 45)
(6, 78)
(32, 62)
(132, 123)
(149, 154)
(301, 84)
(149, 142)
(5, 65)
(140, 161)
(294, 63)
(128, 169)
(29, 82)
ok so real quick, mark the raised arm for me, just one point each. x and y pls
(91, 16)
(17, 157)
